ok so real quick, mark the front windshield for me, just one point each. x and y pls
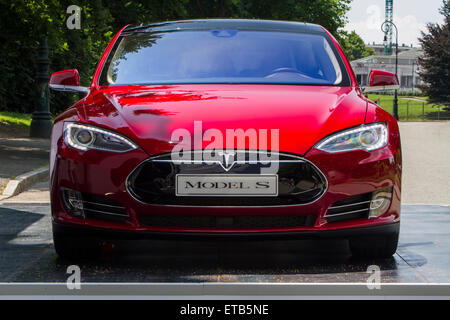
(222, 56)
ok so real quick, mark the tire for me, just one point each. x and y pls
(72, 247)
(374, 247)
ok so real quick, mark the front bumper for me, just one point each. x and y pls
(348, 174)
(114, 234)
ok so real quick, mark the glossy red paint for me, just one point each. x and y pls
(305, 114)
(382, 78)
(149, 114)
(68, 77)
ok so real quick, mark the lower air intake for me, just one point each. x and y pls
(356, 207)
(227, 222)
(100, 208)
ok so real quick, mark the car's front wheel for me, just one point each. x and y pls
(71, 247)
(374, 247)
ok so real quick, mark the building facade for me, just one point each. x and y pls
(408, 67)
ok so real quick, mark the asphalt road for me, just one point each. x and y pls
(27, 255)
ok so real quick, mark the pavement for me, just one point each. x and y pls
(38, 193)
(19, 153)
(426, 162)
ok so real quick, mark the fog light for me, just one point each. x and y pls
(73, 201)
(381, 200)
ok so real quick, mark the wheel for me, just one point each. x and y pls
(72, 247)
(374, 247)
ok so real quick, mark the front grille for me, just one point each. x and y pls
(153, 181)
(96, 207)
(350, 208)
(227, 222)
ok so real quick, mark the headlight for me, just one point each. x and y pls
(366, 137)
(84, 137)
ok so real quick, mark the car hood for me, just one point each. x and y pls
(150, 114)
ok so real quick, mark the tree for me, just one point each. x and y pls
(354, 47)
(328, 13)
(435, 62)
(25, 22)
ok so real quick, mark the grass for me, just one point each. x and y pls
(411, 108)
(15, 118)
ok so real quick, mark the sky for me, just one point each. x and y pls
(410, 16)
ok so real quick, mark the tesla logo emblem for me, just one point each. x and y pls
(227, 160)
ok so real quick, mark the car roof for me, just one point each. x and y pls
(239, 24)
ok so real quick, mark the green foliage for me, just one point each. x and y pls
(354, 47)
(25, 22)
(328, 13)
(16, 118)
(435, 63)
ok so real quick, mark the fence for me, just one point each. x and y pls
(415, 110)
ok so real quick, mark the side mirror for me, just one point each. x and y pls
(382, 80)
(66, 80)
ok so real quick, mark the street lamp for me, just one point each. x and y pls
(41, 123)
(385, 28)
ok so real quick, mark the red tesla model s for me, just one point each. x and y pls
(225, 129)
